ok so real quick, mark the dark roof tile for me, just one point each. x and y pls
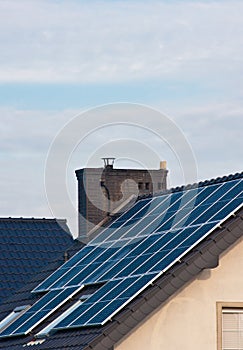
(28, 245)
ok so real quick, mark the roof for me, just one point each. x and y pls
(225, 227)
(27, 246)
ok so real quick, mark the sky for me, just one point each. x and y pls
(63, 59)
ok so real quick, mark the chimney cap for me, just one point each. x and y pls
(163, 165)
(108, 162)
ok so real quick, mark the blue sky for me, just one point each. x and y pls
(59, 58)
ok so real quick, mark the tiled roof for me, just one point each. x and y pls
(69, 340)
(27, 246)
(204, 255)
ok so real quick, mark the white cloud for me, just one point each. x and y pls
(107, 41)
(214, 132)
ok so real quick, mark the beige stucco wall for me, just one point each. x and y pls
(189, 321)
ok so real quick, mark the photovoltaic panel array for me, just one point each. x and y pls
(139, 246)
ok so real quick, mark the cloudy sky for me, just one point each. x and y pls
(60, 58)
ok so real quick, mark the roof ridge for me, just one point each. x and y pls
(203, 183)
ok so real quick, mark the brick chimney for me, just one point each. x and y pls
(102, 190)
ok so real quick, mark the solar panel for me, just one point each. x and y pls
(135, 249)
(114, 295)
(39, 311)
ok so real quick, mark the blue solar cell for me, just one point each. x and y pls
(145, 244)
(143, 228)
(133, 265)
(122, 231)
(16, 324)
(75, 276)
(91, 256)
(169, 258)
(105, 233)
(99, 273)
(234, 191)
(227, 209)
(185, 240)
(102, 312)
(139, 283)
(103, 291)
(185, 197)
(77, 257)
(193, 215)
(116, 269)
(208, 213)
(133, 226)
(90, 312)
(204, 192)
(166, 223)
(49, 281)
(166, 201)
(44, 300)
(163, 240)
(66, 322)
(109, 252)
(95, 273)
(139, 209)
(208, 209)
(119, 288)
(32, 320)
(58, 273)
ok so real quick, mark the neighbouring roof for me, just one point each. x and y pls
(27, 246)
(190, 227)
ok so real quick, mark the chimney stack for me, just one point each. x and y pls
(102, 190)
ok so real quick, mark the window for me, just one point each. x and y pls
(230, 326)
(147, 185)
(140, 185)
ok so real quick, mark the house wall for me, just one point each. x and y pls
(189, 319)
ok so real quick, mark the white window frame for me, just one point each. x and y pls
(224, 307)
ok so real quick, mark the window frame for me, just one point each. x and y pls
(220, 306)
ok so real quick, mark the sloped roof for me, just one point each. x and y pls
(27, 246)
(202, 255)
